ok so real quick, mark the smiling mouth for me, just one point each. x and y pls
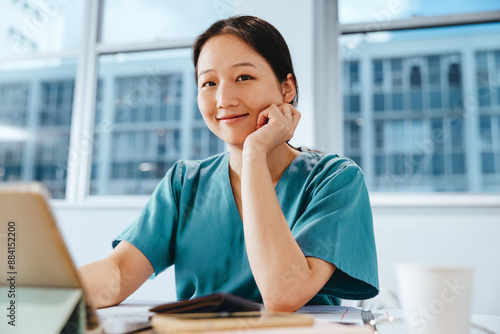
(227, 118)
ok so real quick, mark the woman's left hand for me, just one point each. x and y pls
(275, 126)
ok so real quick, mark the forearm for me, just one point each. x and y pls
(278, 264)
(102, 281)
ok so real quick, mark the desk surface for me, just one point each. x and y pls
(481, 324)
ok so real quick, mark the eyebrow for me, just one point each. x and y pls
(235, 65)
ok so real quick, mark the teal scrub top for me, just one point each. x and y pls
(192, 221)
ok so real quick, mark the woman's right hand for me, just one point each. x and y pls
(275, 126)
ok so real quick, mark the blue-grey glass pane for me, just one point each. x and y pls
(435, 100)
(437, 164)
(354, 103)
(488, 161)
(355, 140)
(379, 134)
(346, 103)
(378, 74)
(354, 72)
(416, 161)
(398, 135)
(435, 78)
(415, 77)
(380, 167)
(397, 101)
(417, 135)
(485, 131)
(481, 59)
(437, 135)
(458, 163)
(484, 96)
(416, 100)
(396, 64)
(454, 75)
(456, 132)
(437, 148)
(178, 111)
(433, 61)
(148, 107)
(399, 164)
(148, 114)
(378, 102)
(36, 102)
(455, 98)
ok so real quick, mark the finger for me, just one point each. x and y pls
(286, 109)
(266, 115)
(296, 118)
(294, 115)
(262, 119)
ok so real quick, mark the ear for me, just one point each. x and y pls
(288, 88)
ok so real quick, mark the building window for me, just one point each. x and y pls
(149, 119)
(418, 138)
(36, 103)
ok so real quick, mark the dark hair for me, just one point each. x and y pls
(261, 36)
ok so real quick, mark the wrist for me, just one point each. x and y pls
(252, 153)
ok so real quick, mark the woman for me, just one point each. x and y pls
(264, 221)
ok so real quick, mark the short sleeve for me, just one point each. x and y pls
(336, 226)
(153, 232)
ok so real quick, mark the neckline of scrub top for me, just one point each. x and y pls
(228, 181)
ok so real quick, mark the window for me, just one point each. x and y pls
(39, 45)
(36, 103)
(129, 21)
(39, 26)
(407, 95)
(144, 113)
(148, 120)
(419, 101)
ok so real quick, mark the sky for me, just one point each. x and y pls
(355, 11)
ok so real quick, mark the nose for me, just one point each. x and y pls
(226, 96)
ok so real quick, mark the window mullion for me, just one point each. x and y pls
(80, 150)
(328, 115)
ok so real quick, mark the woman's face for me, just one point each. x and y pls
(235, 84)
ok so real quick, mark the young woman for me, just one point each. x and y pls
(264, 221)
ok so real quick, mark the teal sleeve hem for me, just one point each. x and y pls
(144, 250)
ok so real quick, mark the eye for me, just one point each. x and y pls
(208, 84)
(244, 78)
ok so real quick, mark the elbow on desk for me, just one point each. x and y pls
(282, 306)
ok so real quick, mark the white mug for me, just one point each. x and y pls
(435, 299)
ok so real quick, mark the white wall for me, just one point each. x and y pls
(435, 235)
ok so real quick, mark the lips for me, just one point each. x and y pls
(231, 117)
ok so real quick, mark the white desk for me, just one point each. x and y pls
(481, 324)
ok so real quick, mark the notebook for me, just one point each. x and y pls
(42, 291)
